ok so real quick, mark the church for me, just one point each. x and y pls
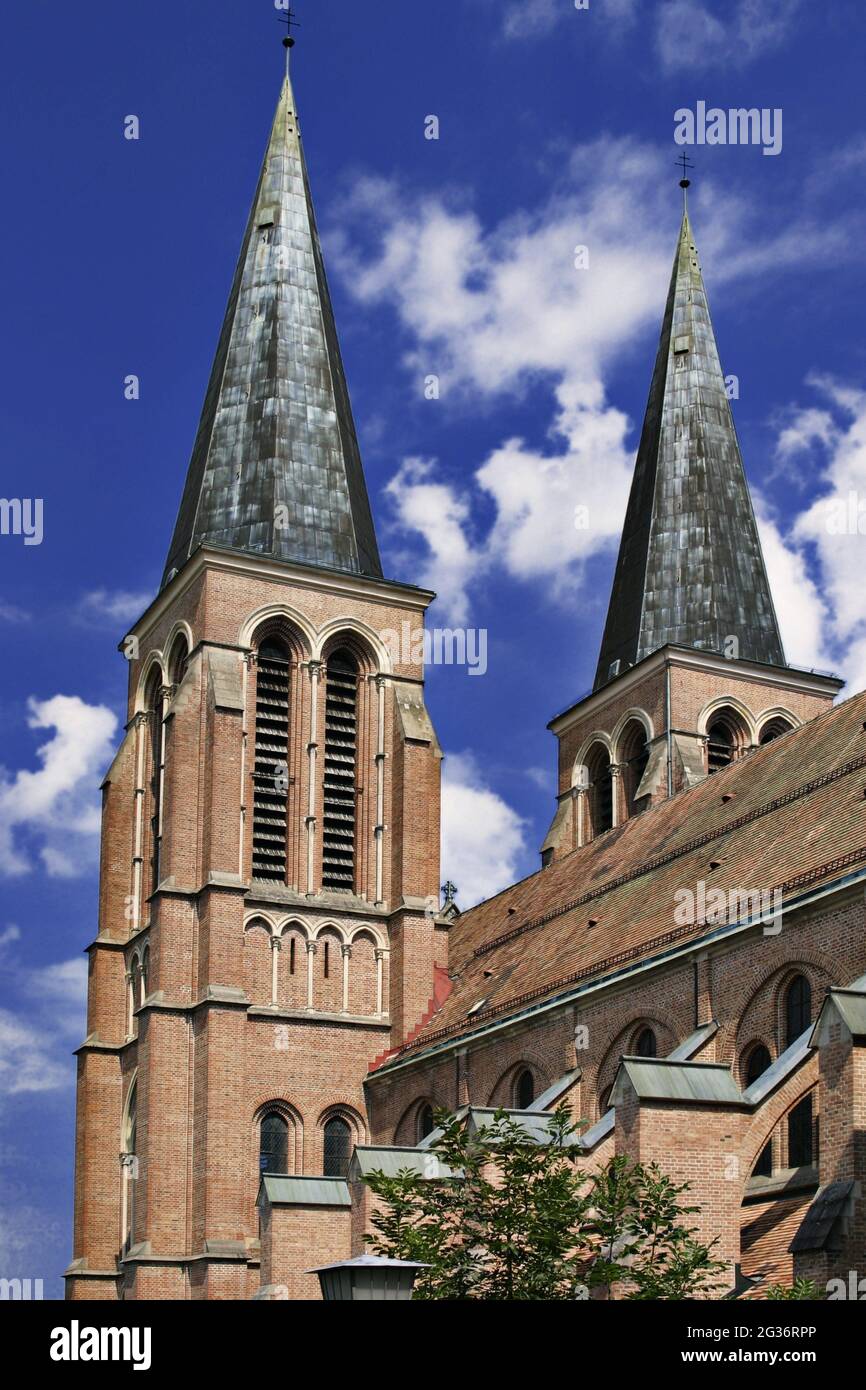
(279, 999)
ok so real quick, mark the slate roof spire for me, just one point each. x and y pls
(275, 468)
(690, 569)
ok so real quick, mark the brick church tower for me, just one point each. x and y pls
(269, 906)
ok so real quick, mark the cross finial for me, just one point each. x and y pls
(684, 164)
(450, 891)
(287, 17)
(685, 181)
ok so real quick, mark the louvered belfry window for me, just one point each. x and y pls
(341, 726)
(271, 768)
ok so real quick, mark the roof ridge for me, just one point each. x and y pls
(650, 865)
(632, 952)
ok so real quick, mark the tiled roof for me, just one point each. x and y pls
(793, 815)
(767, 1232)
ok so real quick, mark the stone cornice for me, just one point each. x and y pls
(209, 558)
(784, 677)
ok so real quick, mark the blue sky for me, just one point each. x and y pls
(452, 257)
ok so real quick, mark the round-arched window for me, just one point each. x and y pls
(634, 756)
(337, 1147)
(274, 1144)
(600, 789)
(757, 1063)
(798, 1008)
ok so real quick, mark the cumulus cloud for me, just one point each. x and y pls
(483, 838)
(690, 35)
(107, 606)
(54, 811)
(520, 306)
(47, 1013)
(440, 516)
(815, 564)
(27, 1058)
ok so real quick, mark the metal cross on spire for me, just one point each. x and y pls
(288, 18)
(685, 181)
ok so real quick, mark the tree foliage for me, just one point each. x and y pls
(516, 1219)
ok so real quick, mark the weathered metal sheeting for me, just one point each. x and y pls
(369, 1158)
(535, 1126)
(683, 1052)
(696, 1083)
(276, 469)
(785, 1064)
(850, 1005)
(825, 1212)
(548, 1099)
(600, 1130)
(686, 1050)
(690, 569)
(303, 1192)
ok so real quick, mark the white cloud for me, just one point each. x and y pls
(483, 838)
(105, 606)
(689, 36)
(555, 510)
(59, 992)
(36, 1037)
(816, 565)
(57, 806)
(8, 936)
(11, 613)
(800, 609)
(532, 17)
(505, 310)
(27, 1058)
(434, 511)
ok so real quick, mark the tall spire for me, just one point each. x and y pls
(276, 469)
(690, 569)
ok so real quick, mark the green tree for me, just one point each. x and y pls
(512, 1218)
(802, 1290)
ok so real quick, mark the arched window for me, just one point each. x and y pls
(524, 1089)
(426, 1122)
(798, 1008)
(604, 1100)
(634, 758)
(800, 1147)
(271, 767)
(774, 728)
(178, 661)
(721, 745)
(145, 973)
(153, 700)
(273, 1143)
(757, 1063)
(134, 994)
(600, 789)
(337, 1147)
(338, 818)
(646, 1045)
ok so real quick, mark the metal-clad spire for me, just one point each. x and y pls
(690, 569)
(276, 468)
